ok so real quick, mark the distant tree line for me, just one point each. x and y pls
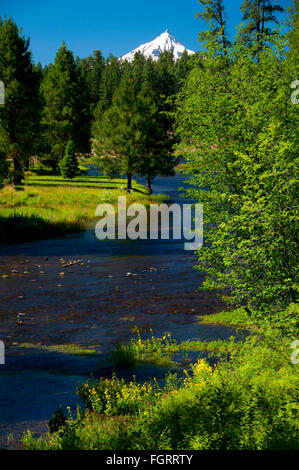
(119, 111)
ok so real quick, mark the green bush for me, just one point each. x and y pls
(247, 402)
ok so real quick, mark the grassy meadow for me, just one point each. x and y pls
(48, 206)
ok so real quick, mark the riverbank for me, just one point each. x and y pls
(48, 206)
(76, 291)
(247, 400)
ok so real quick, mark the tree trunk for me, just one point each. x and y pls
(17, 171)
(149, 184)
(129, 183)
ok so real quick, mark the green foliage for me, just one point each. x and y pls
(20, 116)
(294, 33)
(91, 70)
(69, 164)
(116, 397)
(57, 421)
(3, 167)
(152, 350)
(259, 17)
(129, 137)
(239, 132)
(65, 108)
(247, 402)
(214, 14)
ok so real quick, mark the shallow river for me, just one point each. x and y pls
(93, 304)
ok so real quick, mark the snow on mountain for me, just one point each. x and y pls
(164, 42)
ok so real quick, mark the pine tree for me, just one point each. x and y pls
(20, 116)
(294, 33)
(91, 70)
(214, 15)
(130, 137)
(69, 164)
(110, 80)
(259, 14)
(65, 107)
(116, 133)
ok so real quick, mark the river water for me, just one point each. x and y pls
(94, 303)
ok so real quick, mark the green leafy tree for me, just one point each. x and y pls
(65, 113)
(69, 164)
(20, 116)
(239, 132)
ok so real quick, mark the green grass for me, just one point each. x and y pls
(237, 318)
(71, 349)
(48, 206)
(152, 350)
(249, 401)
(160, 351)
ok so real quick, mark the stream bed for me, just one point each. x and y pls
(93, 303)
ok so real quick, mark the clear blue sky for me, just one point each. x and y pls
(116, 26)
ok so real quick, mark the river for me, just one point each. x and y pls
(94, 303)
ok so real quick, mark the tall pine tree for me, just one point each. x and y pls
(259, 16)
(214, 14)
(20, 116)
(65, 107)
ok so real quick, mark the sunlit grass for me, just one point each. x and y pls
(71, 349)
(48, 206)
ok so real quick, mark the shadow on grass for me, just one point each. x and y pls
(76, 184)
(21, 228)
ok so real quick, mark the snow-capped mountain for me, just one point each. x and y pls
(164, 42)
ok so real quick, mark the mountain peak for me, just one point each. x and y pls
(162, 43)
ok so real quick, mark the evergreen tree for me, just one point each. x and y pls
(20, 116)
(91, 70)
(110, 80)
(65, 107)
(183, 67)
(130, 137)
(214, 14)
(294, 33)
(69, 164)
(259, 14)
(156, 156)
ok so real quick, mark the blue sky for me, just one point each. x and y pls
(115, 26)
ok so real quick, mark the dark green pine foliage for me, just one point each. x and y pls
(20, 116)
(214, 15)
(109, 82)
(116, 134)
(130, 137)
(65, 113)
(91, 70)
(260, 16)
(69, 164)
(294, 33)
